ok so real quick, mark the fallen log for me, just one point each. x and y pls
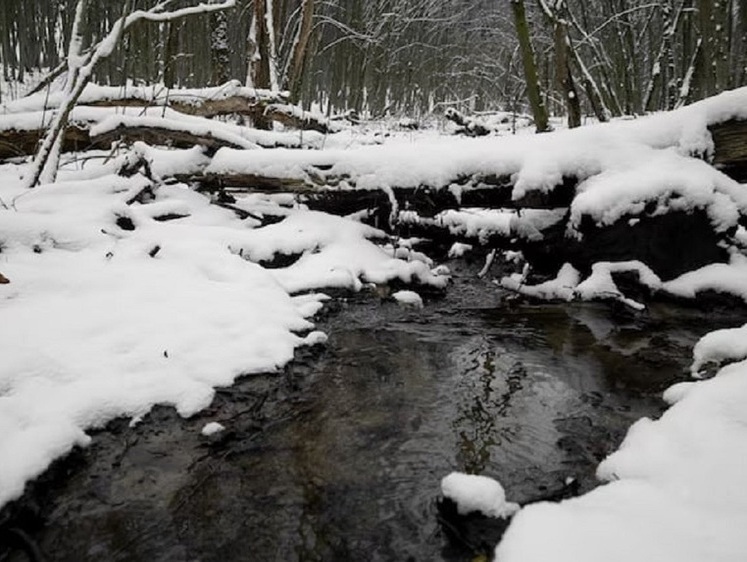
(295, 117)
(730, 148)
(468, 126)
(322, 187)
(77, 137)
(166, 134)
(230, 98)
(20, 143)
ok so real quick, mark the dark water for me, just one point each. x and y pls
(340, 457)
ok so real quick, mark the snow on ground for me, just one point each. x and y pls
(472, 492)
(408, 298)
(721, 346)
(212, 428)
(101, 321)
(675, 489)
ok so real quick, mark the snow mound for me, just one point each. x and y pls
(472, 492)
(212, 428)
(409, 298)
(120, 301)
(675, 494)
(719, 347)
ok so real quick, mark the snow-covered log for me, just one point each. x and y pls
(80, 136)
(468, 125)
(163, 134)
(340, 190)
(24, 142)
(229, 98)
(295, 117)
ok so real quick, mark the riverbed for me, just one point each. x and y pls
(340, 455)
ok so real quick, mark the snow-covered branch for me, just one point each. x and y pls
(44, 167)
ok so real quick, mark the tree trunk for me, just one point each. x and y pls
(530, 66)
(564, 76)
(300, 50)
(261, 62)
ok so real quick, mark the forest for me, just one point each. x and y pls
(321, 280)
(413, 57)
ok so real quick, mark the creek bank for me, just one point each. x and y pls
(340, 455)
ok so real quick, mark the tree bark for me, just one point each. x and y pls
(530, 66)
(300, 50)
(563, 74)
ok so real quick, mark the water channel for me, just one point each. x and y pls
(340, 456)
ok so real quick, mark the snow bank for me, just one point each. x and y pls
(719, 347)
(665, 181)
(472, 492)
(212, 428)
(409, 298)
(729, 278)
(110, 310)
(675, 494)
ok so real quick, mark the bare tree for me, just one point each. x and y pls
(80, 69)
(530, 66)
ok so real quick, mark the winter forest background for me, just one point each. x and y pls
(622, 57)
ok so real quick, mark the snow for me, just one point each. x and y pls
(623, 167)
(199, 127)
(721, 346)
(600, 285)
(473, 492)
(105, 119)
(666, 178)
(560, 288)
(408, 298)
(101, 322)
(212, 428)
(727, 278)
(458, 249)
(675, 489)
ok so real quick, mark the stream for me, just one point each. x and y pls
(340, 456)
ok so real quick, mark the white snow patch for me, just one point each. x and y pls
(721, 346)
(729, 278)
(101, 322)
(675, 494)
(410, 298)
(458, 249)
(560, 288)
(473, 492)
(212, 428)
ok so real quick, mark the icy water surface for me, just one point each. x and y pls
(341, 456)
